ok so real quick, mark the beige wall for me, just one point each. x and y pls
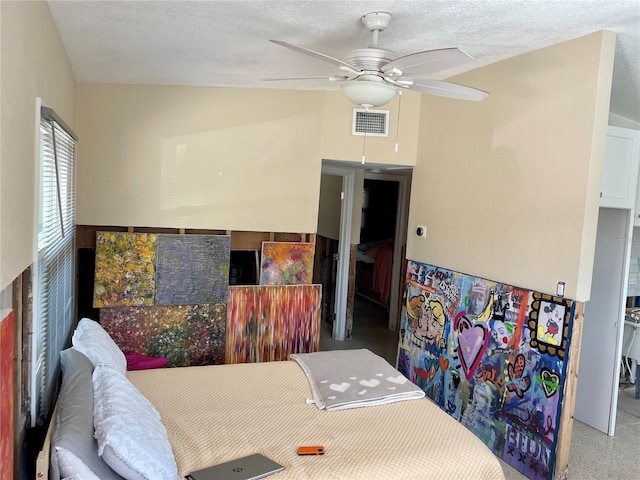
(218, 158)
(509, 187)
(339, 144)
(33, 64)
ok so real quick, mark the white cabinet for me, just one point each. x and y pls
(620, 169)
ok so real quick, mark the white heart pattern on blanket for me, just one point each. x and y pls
(362, 392)
(332, 397)
(370, 383)
(340, 388)
(400, 379)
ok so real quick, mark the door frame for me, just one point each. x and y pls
(344, 247)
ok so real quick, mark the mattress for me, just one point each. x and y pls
(214, 414)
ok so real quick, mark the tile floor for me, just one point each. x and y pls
(370, 330)
(594, 455)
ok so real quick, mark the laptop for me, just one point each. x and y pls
(251, 467)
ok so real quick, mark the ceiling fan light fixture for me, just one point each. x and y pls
(369, 94)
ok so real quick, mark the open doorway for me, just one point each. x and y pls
(373, 263)
(372, 322)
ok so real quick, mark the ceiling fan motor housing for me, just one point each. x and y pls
(369, 58)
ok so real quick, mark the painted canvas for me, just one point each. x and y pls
(268, 323)
(125, 269)
(186, 334)
(493, 356)
(192, 269)
(6, 394)
(287, 263)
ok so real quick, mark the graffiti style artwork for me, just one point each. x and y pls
(6, 394)
(268, 323)
(491, 355)
(287, 263)
(185, 334)
(549, 324)
(192, 269)
(125, 269)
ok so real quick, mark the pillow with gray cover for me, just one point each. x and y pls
(74, 450)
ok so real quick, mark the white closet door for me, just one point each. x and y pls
(599, 367)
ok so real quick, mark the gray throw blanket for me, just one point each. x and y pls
(342, 379)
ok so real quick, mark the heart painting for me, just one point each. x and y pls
(472, 343)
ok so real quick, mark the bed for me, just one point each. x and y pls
(214, 414)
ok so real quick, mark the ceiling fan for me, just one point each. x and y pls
(372, 77)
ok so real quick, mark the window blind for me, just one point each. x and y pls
(54, 267)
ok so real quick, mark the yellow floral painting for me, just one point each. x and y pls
(125, 269)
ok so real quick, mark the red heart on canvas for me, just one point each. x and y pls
(444, 363)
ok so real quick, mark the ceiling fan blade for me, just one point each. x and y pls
(331, 78)
(449, 90)
(321, 56)
(429, 61)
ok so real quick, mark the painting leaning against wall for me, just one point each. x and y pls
(268, 323)
(125, 269)
(184, 334)
(192, 269)
(287, 263)
(6, 393)
(493, 356)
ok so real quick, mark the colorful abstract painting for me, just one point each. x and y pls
(287, 263)
(125, 269)
(491, 355)
(186, 335)
(6, 394)
(268, 323)
(192, 269)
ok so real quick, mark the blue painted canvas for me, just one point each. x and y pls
(192, 269)
(493, 356)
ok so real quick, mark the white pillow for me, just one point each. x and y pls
(131, 437)
(93, 340)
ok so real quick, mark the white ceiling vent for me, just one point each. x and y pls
(372, 123)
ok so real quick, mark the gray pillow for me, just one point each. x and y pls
(73, 447)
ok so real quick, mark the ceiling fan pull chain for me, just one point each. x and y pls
(398, 120)
(364, 144)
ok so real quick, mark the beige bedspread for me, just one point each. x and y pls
(217, 413)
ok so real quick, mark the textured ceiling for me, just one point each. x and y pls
(225, 43)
